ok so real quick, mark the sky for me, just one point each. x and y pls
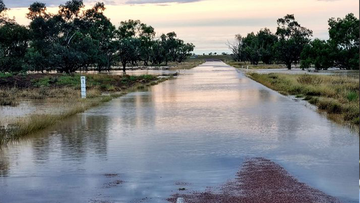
(210, 24)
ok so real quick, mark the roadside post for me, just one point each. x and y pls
(83, 87)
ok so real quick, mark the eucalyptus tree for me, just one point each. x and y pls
(157, 52)
(170, 45)
(250, 48)
(139, 34)
(292, 39)
(102, 33)
(13, 43)
(128, 51)
(69, 55)
(146, 37)
(44, 31)
(318, 53)
(184, 51)
(266, 41)
(236, 48)
(3, 9)
(344, 39)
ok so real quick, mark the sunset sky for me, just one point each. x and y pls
(209, 24)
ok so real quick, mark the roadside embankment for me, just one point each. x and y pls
(336, 95)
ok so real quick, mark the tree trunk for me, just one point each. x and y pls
(124, 67)
(288, 65)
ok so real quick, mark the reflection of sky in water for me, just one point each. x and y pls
(196, 129)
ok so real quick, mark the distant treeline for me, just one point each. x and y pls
(291, 44)
(75, 38)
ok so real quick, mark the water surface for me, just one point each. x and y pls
(195, 130)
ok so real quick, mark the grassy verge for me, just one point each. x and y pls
(64, 89)
(259, 66)
(336, 95)
(189, 64)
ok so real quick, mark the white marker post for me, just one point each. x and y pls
(83, 87)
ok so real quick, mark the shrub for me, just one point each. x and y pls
(352, 96)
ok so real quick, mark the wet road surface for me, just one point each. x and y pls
(192, 132)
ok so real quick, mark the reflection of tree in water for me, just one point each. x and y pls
(85, 134)
(4, 164)
(138, 110)
(75, 137)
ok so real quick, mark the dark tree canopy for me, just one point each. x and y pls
(37, 10)
(76, 38)
(292, 39)
(344, 38)
(341, 50)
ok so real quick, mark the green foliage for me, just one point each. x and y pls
(344, 40)
(13, 46)
(255, 47)
(68, 80)
(5, 75)
(76, 38)
(318, 53)
(292, 39)
(42, 82)
(352, 96)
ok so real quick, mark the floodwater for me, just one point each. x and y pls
(331, 71)
(192, 132)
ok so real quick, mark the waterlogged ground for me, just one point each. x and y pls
(331, 71)
(190, 133)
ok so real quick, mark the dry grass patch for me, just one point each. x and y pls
(337, 95)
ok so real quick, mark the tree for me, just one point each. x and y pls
(43, 34)
(101, 32)
(184, 51)
(317, 52)
(128, 50)
(37, 10)
(250, 48)
(13, 44)
(236, 48)
(157, 53)
(292, 39)
(344, 39)
(266, 42)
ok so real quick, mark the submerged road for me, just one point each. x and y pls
(190, 133)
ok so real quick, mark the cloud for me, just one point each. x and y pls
(159, 1)
(213, 22)
(27, 3)
(56, 3)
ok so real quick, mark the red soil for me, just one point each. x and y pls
(260, 181)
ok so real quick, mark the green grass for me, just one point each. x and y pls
(5, 75)
(337, 95)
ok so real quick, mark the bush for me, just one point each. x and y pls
(352, 96)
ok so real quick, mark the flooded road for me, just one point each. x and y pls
(192, 132)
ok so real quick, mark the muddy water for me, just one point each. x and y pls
(193, 132)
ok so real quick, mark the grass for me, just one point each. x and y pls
(189, 64)
(259, 66)
(336, 95)
(53, 92)
(60, 88)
